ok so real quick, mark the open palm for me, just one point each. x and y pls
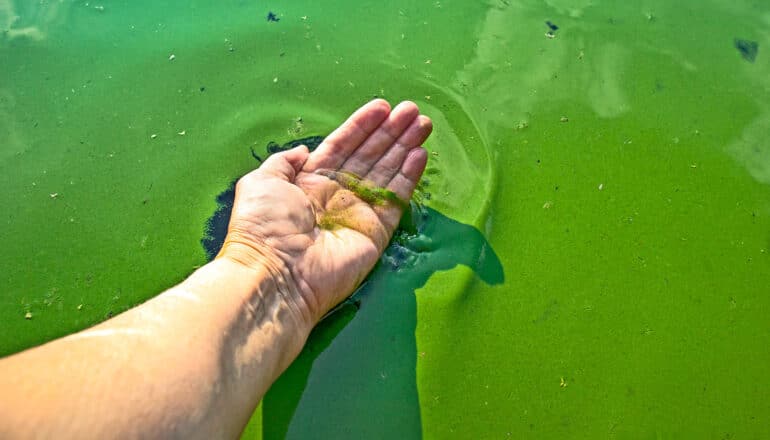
(312, 222)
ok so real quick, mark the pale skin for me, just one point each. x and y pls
(195, 361)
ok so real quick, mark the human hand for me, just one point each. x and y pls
(312, 223)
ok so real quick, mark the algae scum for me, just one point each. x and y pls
(593, 261)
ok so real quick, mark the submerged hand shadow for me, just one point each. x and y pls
(356, 377)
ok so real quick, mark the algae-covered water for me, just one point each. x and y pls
(595, 257)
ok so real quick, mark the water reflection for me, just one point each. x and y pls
(515, 67)
(29, 20)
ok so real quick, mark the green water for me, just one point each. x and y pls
(596, 261)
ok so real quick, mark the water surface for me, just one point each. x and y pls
(617, 172)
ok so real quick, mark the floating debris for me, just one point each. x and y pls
(297, 128)
(552, 26)
(182, 133)
(272, 17)
(564, 119)
(54, 195)
(153, 136)
(748, 49)
(547, 205)
(601, 186)
(28, 315)
(171, 57)
(563, 383)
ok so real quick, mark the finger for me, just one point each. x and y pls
(390, 163)
(343, 141)
(399, 120)
(286, 164)
(403, 185)
(404, 182)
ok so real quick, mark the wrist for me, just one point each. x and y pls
(265, 273)
(253, 315)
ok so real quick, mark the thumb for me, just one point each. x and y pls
(286, 164)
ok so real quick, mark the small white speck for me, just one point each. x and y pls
(171, 57)
(28, 315)
(275, 80)
(54, 195)
(601, 186)
(153, 136)
(182, 133)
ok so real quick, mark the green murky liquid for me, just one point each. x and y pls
(595, 261)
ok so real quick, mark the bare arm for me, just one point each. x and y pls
(194, 361)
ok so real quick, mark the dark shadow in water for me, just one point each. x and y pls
(356, 376)
(748, 49)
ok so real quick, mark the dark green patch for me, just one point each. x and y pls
(748, 49)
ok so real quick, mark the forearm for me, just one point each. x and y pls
(192, 362)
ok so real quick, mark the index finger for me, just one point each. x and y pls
(343, 141)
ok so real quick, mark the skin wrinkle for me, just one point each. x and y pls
(388, 166)
(263, 313)
(272, 268)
